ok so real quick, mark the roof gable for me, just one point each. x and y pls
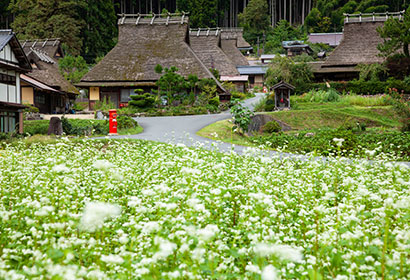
(11, 52)
(206, 44)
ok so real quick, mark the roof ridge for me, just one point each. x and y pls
(151, 19)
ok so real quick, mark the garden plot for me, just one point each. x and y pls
(142, 210)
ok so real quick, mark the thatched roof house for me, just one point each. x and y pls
(358, 46)
(232, 40)
(144, 41)
(206, 44)
(43, 55)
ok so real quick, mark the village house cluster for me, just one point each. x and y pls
(29, 73)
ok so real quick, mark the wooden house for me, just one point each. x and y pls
(294, 48)
(206, 43)
(255, 73)
(358, 46)
(13, 63)
(45, 87)
(282, 91)
(231, 42)
(144, 41)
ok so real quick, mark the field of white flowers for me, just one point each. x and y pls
(141, 210)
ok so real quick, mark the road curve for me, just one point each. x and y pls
(183, 129)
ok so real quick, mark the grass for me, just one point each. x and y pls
(333, 115)
(313, 116)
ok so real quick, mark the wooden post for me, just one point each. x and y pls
(21, 128)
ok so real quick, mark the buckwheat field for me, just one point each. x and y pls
(141, 210)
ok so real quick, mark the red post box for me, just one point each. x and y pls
(113, 122)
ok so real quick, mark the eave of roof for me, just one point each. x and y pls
(38, 84)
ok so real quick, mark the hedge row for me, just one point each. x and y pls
(366, 88)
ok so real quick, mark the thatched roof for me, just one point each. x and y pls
(52, 47)
(360, 40)
(206, 44)
(46, 66)
(235, 34)
(143, 43)
(231, 40)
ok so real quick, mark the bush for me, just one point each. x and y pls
(272, 127)
(365, 87)
(214, 101)
(238, 95)
(84, 127)
(320, 96)
(126, 122)
(142, 101)
(36, 127)
(269, 105)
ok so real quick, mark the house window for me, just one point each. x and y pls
(7, 79)
(39, 99)
(8, 121)
(126, 93)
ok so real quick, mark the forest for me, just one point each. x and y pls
(88, 27)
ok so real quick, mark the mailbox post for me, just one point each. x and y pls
(113, 122)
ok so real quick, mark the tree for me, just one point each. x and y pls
(285, 69)
(100, 31)
(282, 32)
(255, 20)
(73, 68)
(202, 13)
(396, 35)
(50, 19)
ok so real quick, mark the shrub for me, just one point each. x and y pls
(84, 127)
(214, 101)
(142, 101)
(270, 105)
(241, 117)
(126, 122)
(36, 127)
(272, 127)
(329, 95)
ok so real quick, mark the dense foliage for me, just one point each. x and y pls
(85, 27)
(142, 210)
(327, 16)
(285, 69)
(354, 143)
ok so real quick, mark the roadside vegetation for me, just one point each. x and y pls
(370, 127)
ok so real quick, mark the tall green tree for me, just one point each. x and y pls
(51, 18)
(396, 35)
(100, 32)
(202, 13)
(255, 20)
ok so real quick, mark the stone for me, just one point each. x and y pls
(99, 115)
(259, 120)
(55, 127)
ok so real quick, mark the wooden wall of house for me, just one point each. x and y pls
(27, 94)
(10, 86)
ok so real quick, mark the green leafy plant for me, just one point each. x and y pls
(241, 116)
(272, 127)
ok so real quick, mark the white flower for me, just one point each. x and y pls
(284, 252)
(60, 168)
(114, 259)
(102, 165)
(339, 141)
(252, 268)
(44, 211)
(166, 248)
(95, 213)
(208, 232)
(269, 273)
(151, 226)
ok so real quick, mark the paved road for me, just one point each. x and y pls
(182, 129)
